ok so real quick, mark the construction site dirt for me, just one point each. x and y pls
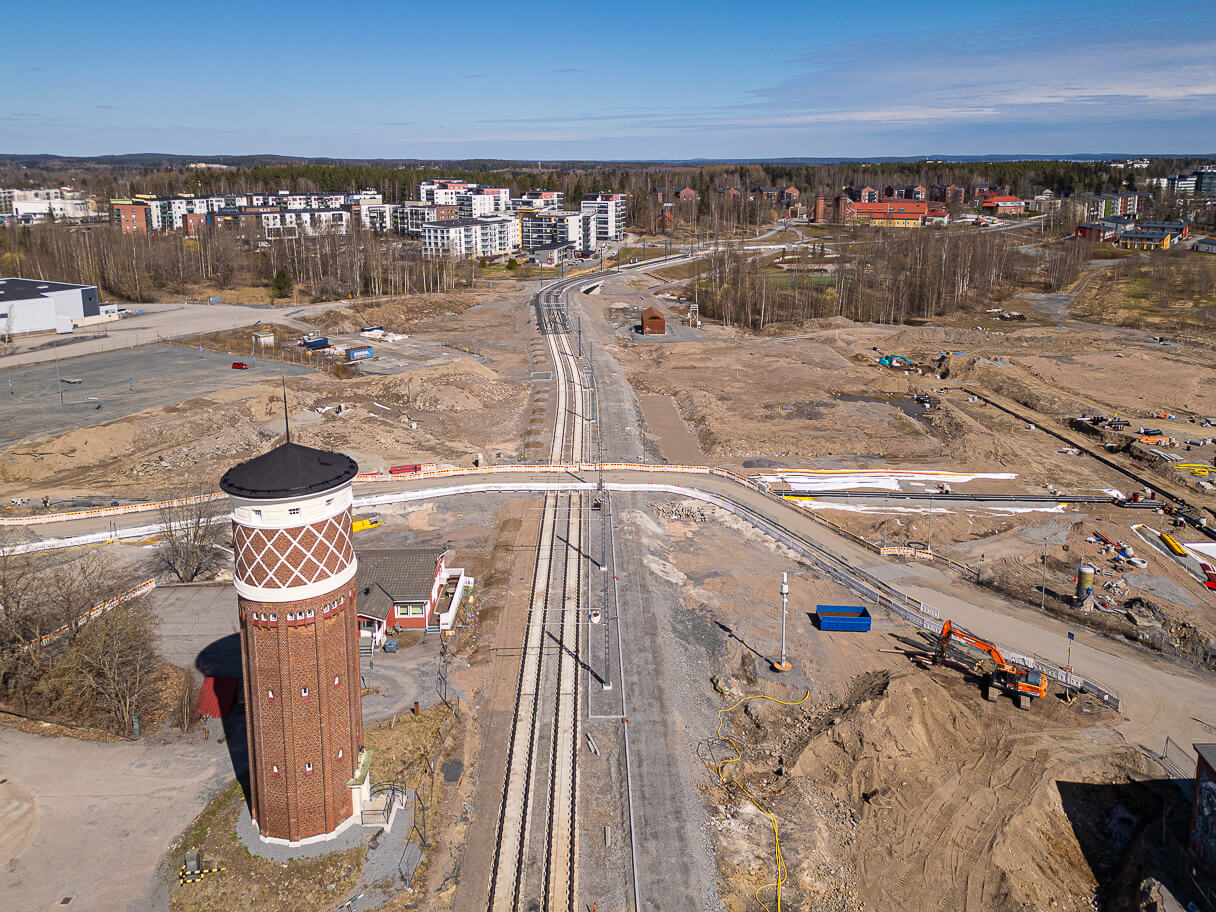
(818, 399)
(473, 401)
(895, 786)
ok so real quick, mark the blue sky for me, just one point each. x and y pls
(596, 80)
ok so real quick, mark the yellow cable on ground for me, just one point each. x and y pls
(781, 871)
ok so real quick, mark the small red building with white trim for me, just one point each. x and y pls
(399, 587)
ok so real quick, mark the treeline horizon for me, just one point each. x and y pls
(576, 179)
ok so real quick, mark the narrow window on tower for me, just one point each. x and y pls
(270, 695)
(293, 511)
(274, 618)
(339, 753)
(274, 771)
(335, 680)
(304, 692)
(311, 613)
(307, 769)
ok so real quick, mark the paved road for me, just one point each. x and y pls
(120, 382)
(105, 814)
(159, 321)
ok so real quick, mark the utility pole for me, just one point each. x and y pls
(783, 664)
(58, 382)
(1043, 588)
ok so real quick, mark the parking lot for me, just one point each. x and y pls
(115, 384)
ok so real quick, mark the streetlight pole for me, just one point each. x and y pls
(783, 664)
(1043, 588)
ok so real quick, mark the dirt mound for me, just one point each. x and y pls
(402, 314)
(914, 793)
(462, 385)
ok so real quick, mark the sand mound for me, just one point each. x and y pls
(963, 792)
(914, 793)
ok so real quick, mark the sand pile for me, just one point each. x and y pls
(462, 385)
(408, 313)
(914, 793)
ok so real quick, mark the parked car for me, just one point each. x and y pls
(240, 366)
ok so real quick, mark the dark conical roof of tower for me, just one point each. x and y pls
(289, 470)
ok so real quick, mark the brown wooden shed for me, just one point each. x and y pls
(653, 322)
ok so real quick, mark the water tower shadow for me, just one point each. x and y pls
(222, 659)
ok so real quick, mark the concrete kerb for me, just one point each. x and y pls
(876, 591)
(391, 859)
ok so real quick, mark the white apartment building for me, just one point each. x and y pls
(478, 201)
(540, 199)
(461, 238)
(442, 191)
(295, 222)
(609, 211)
(376, 216)
(542, 227)
(474, 204)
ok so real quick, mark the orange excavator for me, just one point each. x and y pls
(1022, 683)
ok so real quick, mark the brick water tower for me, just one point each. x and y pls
(295, 582)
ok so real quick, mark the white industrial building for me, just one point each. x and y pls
(609, 210)
(491, 236)
(33, 306)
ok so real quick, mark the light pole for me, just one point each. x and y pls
(783, 664)
(1043, 587)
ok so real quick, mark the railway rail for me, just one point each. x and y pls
(536, 854)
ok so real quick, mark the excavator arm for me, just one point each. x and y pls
(950, 631)
(1015, 679)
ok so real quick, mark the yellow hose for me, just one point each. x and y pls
(781, 871)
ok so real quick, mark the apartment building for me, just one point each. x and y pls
(442, 191)
(540, 199)
(410, 216)
(865, 194)
(275, 222)
(133, 216)
(543, 227)
(609, 211)
(950, 194)
(1101, 205)
(913, 192)
(374, 216)
(462, 238)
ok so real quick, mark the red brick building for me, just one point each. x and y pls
(295, 580)
(193, 223)
(130, 217)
